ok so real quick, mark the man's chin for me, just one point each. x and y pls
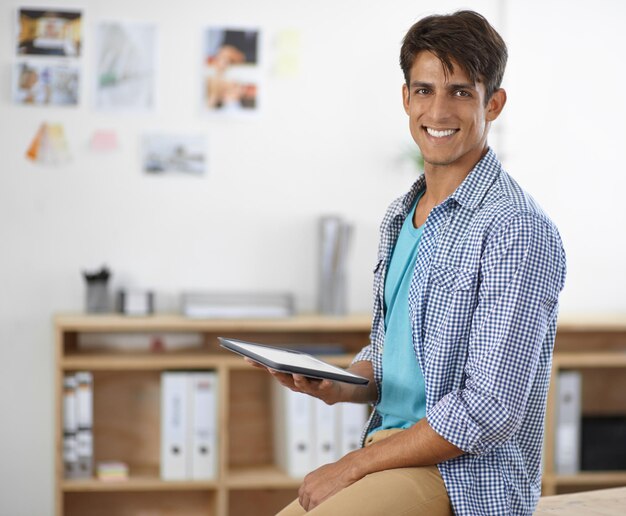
(438, 161)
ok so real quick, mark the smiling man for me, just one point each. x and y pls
(466, 293)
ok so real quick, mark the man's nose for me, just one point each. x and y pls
(440, 107)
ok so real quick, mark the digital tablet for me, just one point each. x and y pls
(290, 361)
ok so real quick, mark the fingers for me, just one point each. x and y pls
(284, 379)
(253, 363)
(303, 498)
(298, 383)
(305, 384)
(322, 389)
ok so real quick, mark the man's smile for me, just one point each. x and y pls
(440, 133)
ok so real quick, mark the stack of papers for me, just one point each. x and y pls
(112, 471)
(237, 305)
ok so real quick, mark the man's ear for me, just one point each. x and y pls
(405, 98)
(496, 104)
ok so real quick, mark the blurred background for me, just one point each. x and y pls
(323, 134)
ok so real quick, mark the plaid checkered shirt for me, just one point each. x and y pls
(483, 305)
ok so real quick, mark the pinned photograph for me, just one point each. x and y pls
(231, 79)
(104, 140)
(125, 66)
(49, 145)
(174, 154)
(49, 32)
(45, 85)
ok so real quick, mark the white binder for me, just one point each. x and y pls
(84, 419)
(293, 434)
(203, 425)
(70, 427)
(174, 425)
(568, 423)
(351, 421)
(325, 434)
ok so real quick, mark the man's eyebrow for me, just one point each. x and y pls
(421, 84)
(462, 86)
(453, 86)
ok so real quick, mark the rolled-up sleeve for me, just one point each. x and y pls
(521, 274)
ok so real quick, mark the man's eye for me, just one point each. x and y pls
(421, 91)
(462, 93)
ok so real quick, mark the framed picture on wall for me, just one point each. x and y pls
(49, 32)
(168, 153)
(43, 84)
(125, 66)
(231, 70)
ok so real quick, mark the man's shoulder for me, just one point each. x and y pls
(402, 204)
(507, 199)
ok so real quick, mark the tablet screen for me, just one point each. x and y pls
(293, 359)
(289, 359)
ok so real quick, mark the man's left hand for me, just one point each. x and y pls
(325, 481)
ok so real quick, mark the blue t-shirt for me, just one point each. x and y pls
(403, 397)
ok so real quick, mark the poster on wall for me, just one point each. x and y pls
(43, 84)
(231, 78)
(125, 66)
(286, 54)
(166, 153)
(49, 146)
(49, 32)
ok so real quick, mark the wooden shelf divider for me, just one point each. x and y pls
(126, 385)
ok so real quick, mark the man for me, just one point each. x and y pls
(465, 303)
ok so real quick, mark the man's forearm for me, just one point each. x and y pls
(358, 393)
(419, 445)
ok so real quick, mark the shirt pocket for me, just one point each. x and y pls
(453, 279)
(450, 303)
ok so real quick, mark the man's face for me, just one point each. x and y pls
(448, 117)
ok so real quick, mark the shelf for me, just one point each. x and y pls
(591, 323)
(589, 359)
(127, 410)
(127, 361)
(135, 484)
(261, 477)
(120, 323)
(141, 482)
(588, 478)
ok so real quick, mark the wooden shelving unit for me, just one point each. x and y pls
(127, 394)
(127, 418)
(596, 347)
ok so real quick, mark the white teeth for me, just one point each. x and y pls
(440, 134)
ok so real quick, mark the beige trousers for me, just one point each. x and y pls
(393, 492)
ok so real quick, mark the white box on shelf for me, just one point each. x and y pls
(293, 431)
(70, 427)
(351, 421)
(84, 419)
(325, 444)
(174, 425)
(203, 425)
(568, 423)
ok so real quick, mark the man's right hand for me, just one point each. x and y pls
(326, 390)
(329, 391)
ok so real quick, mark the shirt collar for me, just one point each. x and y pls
(470, 192)
(409, 198)
(474, 187)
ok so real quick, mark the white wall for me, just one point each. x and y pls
(327, 141)
(564, 136)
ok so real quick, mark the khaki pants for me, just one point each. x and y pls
(393, 492)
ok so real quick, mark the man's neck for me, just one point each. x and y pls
(441, 182)
(440, 185)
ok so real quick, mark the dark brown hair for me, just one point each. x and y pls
(465, 37)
